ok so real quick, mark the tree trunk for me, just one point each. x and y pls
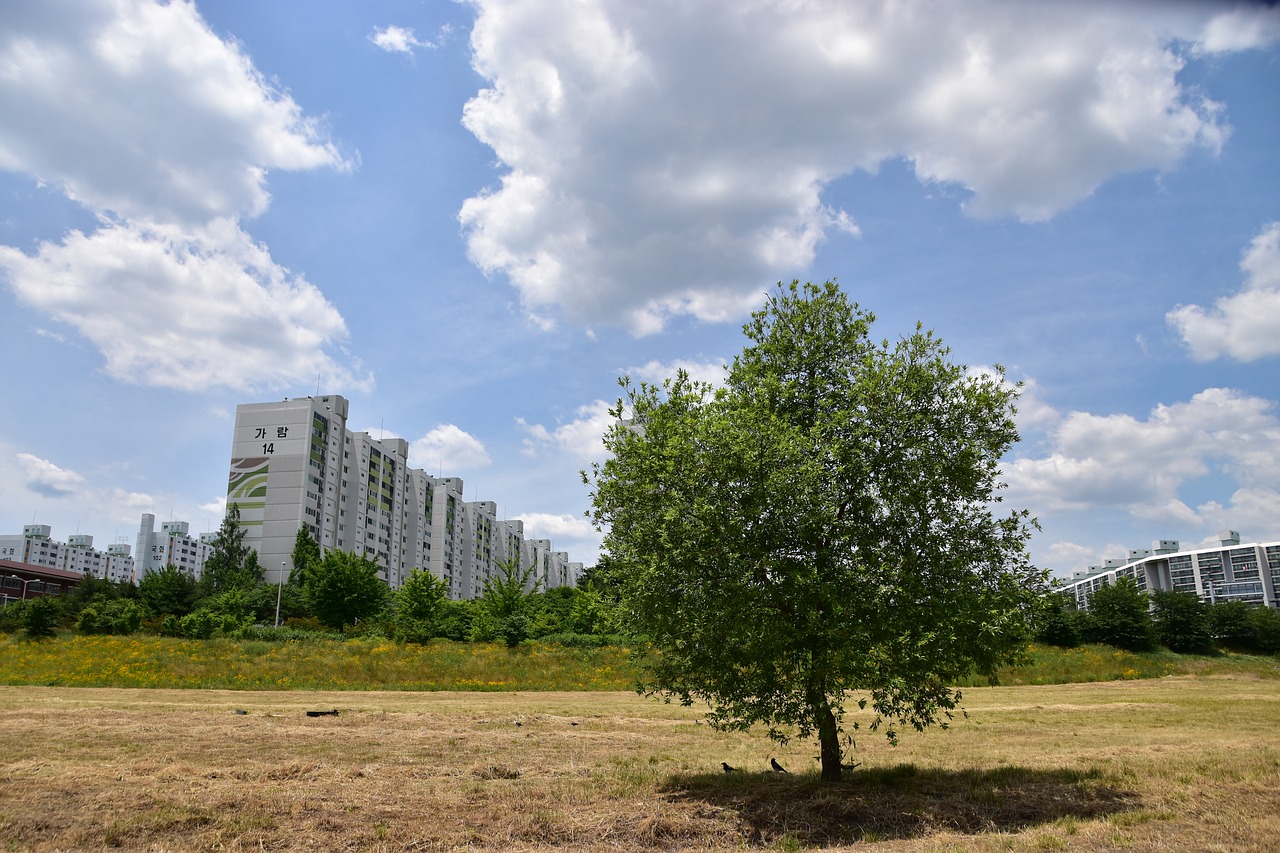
(828, 738)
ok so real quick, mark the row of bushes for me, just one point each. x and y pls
(417, 613)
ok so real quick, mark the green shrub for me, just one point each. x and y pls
(116, 616)
(201, 625)
(40, 617)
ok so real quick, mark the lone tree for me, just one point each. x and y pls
(823, 523)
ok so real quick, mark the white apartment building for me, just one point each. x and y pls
(1229, 571)
(35, 546)
(172, 544)
(295, 463)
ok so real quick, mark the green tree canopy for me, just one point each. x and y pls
(231, 564)
(343, 588)
(306, 553)
(1120, 616)
(169, 591)
(504, 603)
(1182, 622)
(417, 606)
(825, 522)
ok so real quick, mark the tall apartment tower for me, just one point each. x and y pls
(287, 463)
(295, 463)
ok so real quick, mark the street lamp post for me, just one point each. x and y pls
(279, 587)
(24, 586)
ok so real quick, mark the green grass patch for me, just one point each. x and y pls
(168, 662)
(1052, 665)
(378, 664)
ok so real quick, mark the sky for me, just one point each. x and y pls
(470, 218)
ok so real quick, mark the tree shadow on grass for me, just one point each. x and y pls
(899, 802)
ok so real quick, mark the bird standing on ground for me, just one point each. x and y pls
(777, 768)
(727, 768)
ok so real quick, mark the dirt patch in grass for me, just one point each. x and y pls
(1179, 763)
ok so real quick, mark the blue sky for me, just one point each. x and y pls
(471, 218)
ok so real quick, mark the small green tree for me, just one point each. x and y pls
(456, 620)
(1265, 625)
(40, 617)
(1119, 616)
(825, 522)
(344, 588)
(1229, 624)
(169, 591)
(231, 564)
(306, 554)
(1182, 622)
(1060, 623)
(504, 605)
(417, 606)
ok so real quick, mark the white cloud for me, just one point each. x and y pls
(581, 438)
(395, 39)
(712, 372)
(667, 158)
(140, 113)
(1246, 325)
(185, 309)
(1064, 558)
(449, 449)
(1247, 26)
(138, 108)
(45, 478)
(541, 525)
(1143, 466)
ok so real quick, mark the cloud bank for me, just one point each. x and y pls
(664, 159)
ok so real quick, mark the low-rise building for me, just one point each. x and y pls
(35, 546)
(21, 581)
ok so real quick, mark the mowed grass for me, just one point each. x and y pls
(1177, 763)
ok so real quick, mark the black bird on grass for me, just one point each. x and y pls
(728, 768)
(777, 768)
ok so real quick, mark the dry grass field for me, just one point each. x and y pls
(1180, 763)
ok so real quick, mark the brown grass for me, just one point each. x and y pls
(1177, 763)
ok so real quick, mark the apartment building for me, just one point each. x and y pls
(35, 546)
(295, 463)
(1228, 571)
(172, 544)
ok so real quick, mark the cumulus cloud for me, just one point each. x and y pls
(184, 309)
(581, 438)
(1245, 325)
(712, 372)
(139, 109)
(1141, 466)
(448, 448)
(1247, 26)
(140, 113)
(395, 39)
(665, 159)
(45, 478)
